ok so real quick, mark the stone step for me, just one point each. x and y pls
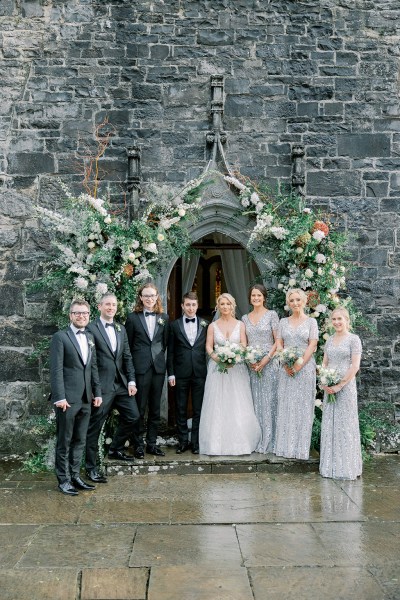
(188, 463)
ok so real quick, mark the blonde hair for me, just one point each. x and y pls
(345, 313)
(230, 299)
(301, 293)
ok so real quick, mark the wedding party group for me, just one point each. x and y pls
(251, 383)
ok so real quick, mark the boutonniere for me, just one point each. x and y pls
(91, 343)
(161, 321)
(203, 323)
(118, 327)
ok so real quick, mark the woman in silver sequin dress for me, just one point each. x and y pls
(261, 329)
(340, 454)
(296, 387)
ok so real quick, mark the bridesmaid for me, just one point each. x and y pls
(340, 454)
(296, 386)
(261, 329)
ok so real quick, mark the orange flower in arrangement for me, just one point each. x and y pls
(312, 298)
(321, 226)
(128, 270)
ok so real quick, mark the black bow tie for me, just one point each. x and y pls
(80, 331)
(110, 325)
(149, 314)
(190, 320)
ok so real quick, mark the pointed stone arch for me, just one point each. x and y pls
(219, 213)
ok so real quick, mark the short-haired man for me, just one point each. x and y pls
(117, 380)
(187, 369)
(74, 382)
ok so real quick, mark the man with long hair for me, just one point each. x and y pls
(147, 329)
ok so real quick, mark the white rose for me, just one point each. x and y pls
(160, 237)
(136, 262)
(181, 212)
(299, 250)
(320, 258)
(280, 286)
(308, 273)
(107, 219)
(151, 248)
(318, 235)
(292, 282)
(320, 271)
(318, 402)
(131, 256)
(321, 308)
(81, 283)
(326, 336)
(91, 245)
(93, 277)
(315, 314)
(300, 361)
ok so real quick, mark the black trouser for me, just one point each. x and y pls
(71, 437)
(149, 386)
(128, 417)
(183, 386)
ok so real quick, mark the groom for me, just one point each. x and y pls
(187, 368)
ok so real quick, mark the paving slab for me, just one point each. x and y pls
(46, 584)
(199, 583)
(14, 540)
(354, 544)
(388, 577)
(79, 546)
(24, 505)
(114, 584)
(275, 544)
(378, 502)
(193, 545)
(127, 510)
(305, 583)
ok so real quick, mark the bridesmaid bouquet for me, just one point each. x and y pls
(253, 355)
(229, 354)
(290, 357)
(328, 377)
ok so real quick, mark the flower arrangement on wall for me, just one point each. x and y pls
(300, 247)
(94, 251)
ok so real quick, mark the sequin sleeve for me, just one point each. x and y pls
(355, 345)
(279, 331)
(274, 321)
(314, 334)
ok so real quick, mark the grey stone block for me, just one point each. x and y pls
(364, 144)
(31, 163)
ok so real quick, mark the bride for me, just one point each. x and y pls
(228, 424)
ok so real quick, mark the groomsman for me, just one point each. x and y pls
(147, 329)
(187, 369)
(117, 379)
(74, 381)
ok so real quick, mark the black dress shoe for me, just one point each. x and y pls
(139, 453)
(96, 476)
(120, 455)
(155, 450)
(195, 450)
(182, 448)
(67, 488)
(82, 485)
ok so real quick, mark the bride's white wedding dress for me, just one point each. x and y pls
(228, 424)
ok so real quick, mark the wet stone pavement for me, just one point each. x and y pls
(199, 529)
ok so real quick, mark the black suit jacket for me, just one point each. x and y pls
(185, 360)
(110, 364)
(70, 378)
(146, 352)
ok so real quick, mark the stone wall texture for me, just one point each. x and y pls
(322, 73)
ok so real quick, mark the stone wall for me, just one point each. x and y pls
(321, 73)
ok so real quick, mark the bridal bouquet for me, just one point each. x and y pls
(328, 377)
(290, 357)
(253, 355)
(229, 354)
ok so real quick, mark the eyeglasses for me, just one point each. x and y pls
(80, 314)
(150, 296)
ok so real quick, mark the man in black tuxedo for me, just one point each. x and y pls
(74, 382)
(187, 369)
(117, 380)
(147, 329)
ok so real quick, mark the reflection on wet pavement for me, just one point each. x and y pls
(203, 536)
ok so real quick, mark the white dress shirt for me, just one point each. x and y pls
(151, 323)
(110, 331)
(82, 341)
(190, 329)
